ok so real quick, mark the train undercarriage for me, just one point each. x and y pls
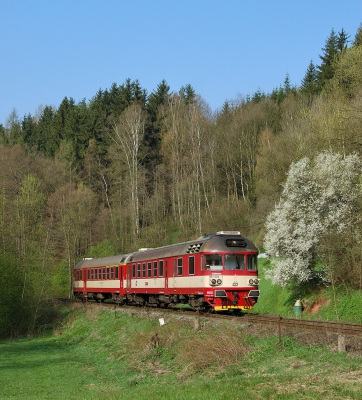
(230, 302)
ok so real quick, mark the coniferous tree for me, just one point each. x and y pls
(358, 38)
(28, 130)
(326, 70)
(187, 93)
(309, 82)
(287, 85)
(342, 41)
(150, 146)
(46, 141)
(335, 45)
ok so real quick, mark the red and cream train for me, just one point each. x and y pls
(216, 272)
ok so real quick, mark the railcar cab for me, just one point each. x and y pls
(230, 262)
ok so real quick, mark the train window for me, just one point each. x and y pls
(88, 274)
(234, 261)
(155, 268)
(116, 270)
(179, 266)
(80, 275)
(107, 269)
(143, 270)
(149, 269)
(138, 270)
(252, 262)
(112, 273)
(191, 265)
(214, 262)
(161, 268)
(104, 273)
(99, 273)
(133, 270)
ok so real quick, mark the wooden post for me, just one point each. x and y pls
(197, 322)
(341, 343)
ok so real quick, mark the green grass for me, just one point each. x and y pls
(115, 355)
(343, 305)
(107, 355)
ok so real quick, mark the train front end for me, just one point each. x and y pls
(231, 273)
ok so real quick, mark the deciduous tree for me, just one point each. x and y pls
(318, 198)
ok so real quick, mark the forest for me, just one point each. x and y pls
(128, 169)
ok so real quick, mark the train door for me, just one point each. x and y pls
(166, 275)
(128, 277)
(86, 272)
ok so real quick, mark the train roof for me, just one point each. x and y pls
(103, 261)
(222, 241)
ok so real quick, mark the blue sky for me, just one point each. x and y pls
(224, 48)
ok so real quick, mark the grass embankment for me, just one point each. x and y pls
(322, 303)
(102, 354)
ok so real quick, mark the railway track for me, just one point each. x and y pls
(304, 324)
(281, 323)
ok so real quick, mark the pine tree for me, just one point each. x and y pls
(326, 69)
(335, 45)
(358, 38)
(309, 82)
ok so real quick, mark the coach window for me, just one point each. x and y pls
(88, 274)
(149, 270)
(155, 268)
(116, 273)
(214, 262)
(179, 266)
(99, 273)
(133, 270)
(107, 269)
(144, 270)
(112, 272)
(191, 265)
(104, 272)
(234, 261)
(138, 270)
(252, 262)
(161, 268)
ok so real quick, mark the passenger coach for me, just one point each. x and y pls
(215, 272)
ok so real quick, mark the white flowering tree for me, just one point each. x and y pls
(319, 198)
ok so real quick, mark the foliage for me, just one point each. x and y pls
(114, 355)
(66, 186)
(334, 47)
(318, 199)
(14, 316)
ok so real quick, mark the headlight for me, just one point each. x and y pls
(215, 281)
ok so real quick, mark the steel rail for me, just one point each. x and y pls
(280, 322)
(296, 323)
